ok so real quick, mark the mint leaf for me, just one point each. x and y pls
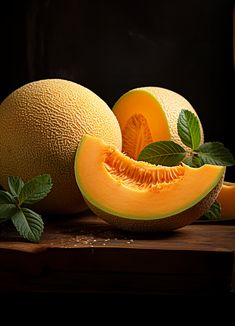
(163, 153)
(215, 153)
(6, 197)
(7, 205)
(15, 185)
(35, 189)
(213, 213)
(193, 161)
(189, 129)
(28, 223)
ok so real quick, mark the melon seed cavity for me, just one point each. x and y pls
(136, 135)
(141, 175)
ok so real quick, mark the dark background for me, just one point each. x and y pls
(114, 46)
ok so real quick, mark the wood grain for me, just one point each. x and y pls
(84, 254)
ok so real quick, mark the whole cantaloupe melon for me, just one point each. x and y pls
(41, 125)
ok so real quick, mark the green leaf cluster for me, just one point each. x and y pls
(28, 223)
(170, 153)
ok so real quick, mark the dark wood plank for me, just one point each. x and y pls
(88, 231)
(84, 254)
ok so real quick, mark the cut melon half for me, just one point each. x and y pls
(149, 114)
(226, 198)
(139, 196)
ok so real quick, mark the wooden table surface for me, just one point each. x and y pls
(83, 254)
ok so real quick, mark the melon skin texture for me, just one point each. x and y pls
(41, 125)
(149, 114)
(226, 198)
(141, 197)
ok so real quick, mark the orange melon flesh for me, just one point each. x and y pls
(121, 186)
(149, 114)
(140, 127)
(226, 198)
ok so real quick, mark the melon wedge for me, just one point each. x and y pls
(139, 196)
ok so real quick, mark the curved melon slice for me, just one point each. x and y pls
(139, 196)
(149, 114)
(226, 198)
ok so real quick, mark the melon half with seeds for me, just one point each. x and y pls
(150, 114)
(138, 196)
